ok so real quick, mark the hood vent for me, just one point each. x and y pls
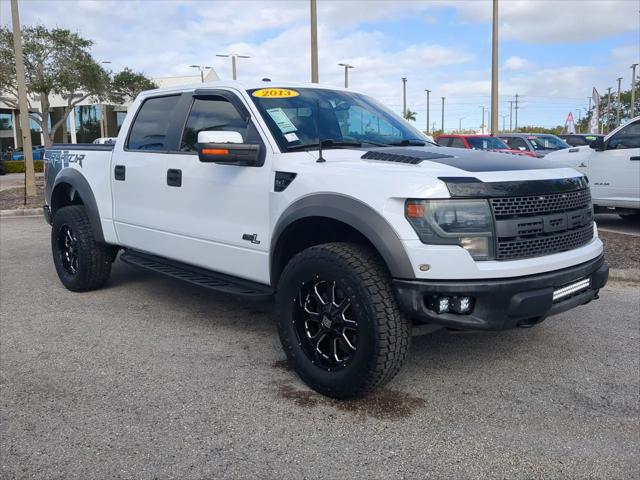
(402, 155)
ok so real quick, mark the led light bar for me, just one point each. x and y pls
(571, 289)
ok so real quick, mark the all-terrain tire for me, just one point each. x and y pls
(71, 233)
(383, 331)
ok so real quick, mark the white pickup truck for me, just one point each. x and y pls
(225, 186)
(612, 165)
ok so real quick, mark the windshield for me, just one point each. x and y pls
(346, 119)
(487, 143)
(547, 142)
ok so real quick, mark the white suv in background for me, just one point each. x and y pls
(612, 165)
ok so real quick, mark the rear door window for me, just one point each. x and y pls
(457, 143)
(444, 141)
(150, 129)
(516, 143)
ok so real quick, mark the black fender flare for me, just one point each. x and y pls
(356, 214)
(80, 184)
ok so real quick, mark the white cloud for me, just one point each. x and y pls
(515, 63)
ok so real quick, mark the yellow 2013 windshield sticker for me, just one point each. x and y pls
(275, 93)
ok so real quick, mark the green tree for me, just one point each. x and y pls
(409, 115)
(59, 62)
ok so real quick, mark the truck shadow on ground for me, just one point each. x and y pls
(442, 353)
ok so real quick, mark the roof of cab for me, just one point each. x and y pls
(239, 86)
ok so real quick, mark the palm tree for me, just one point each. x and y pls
(409, 115)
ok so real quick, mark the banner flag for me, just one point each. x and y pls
(595, 113)
(569, 124)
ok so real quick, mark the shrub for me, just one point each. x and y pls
(17, 166)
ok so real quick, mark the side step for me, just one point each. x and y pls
(198, 276)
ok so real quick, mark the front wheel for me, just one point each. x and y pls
(338, 320)
(81, 263)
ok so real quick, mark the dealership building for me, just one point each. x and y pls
(86, 122)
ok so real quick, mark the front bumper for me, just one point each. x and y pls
(503, 303)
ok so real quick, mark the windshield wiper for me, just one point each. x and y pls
(329, 143)
(413, 142)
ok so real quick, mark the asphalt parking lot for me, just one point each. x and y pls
(151, 378)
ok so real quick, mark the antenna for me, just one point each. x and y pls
(320, 159)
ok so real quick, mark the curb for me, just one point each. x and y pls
(626, 275)
(23, 212)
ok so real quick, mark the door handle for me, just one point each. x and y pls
(174, 177)
(635, 158)
(120, 172)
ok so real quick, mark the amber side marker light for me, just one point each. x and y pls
(415, 210)
(215, 151)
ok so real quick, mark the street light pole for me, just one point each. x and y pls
(428, 92)
(443, 114)
(510, 115)
(482, 123)
(314, 41)
(633, 88)
(504, 120)
(234, 71)
(404, 97)
(608, 104)
(460, 124)
(29, 173)
(346, 73)
(202, 68)
(516, 107)
(494, 71)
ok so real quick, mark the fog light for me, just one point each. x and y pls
(461, 305)
(438, 304)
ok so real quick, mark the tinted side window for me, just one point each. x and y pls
(515, 143)
(443, 142)
(576, 141)
(213, 114)
(457, 143)
(151, 125)
(628, 137)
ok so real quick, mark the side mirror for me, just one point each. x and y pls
(597, 144)
(226, 148)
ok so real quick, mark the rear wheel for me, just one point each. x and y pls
(81, 263)
(338, 320)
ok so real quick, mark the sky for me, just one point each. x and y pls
(552, 52)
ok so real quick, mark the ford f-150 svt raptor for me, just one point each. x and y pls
(324, 199)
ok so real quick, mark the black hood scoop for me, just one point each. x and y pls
(403, 155)
(468, 160)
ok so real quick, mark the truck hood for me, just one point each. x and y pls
(447, 162)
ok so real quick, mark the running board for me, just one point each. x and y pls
(198, 276)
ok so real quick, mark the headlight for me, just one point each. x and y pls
(467, 223)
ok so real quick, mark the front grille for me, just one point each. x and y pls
(536, 225)
(540, 204)
(543, 245)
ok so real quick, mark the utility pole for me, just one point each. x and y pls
(633, 88)
(443, 114)
(516, 107)
(510, 115)
(482, 122)
(494, 71)
(314, 42)
(346, 73)
(504, 119)
(460, 124)
(428, 92)
(29, 173)
(618, 103)
(404, 97)
(608, 106)
(234, 71)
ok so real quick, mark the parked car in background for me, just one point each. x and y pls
(579, 139)
(612, 164)
(105, 141)
(539, 144)
(478, 142)
(38, 153)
